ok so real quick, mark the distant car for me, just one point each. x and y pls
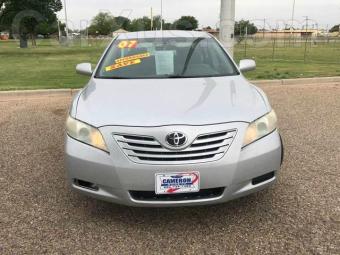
(167, 119)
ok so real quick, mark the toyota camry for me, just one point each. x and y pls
(168, 119)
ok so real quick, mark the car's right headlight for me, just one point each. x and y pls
(260, 128)
(85, 133)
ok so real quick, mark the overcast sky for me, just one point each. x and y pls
(324, 12)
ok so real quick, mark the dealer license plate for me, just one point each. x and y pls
(175, 183)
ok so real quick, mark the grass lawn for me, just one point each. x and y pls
(322, 60)
(47, 66)
(53, 66)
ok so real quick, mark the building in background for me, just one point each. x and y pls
(212, 31)
(118, 32)
(297, 33)
(281, 34)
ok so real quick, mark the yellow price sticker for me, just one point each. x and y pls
(128, 44)
(122, 64)
(132, 57)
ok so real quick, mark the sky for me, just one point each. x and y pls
(322, 12)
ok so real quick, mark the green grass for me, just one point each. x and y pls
(47, 66)
(53, 66)
(322, 60)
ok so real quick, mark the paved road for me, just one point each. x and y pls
(300, 215)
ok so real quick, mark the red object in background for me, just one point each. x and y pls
(4, 37)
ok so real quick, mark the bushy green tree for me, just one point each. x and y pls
(157, 23)
(22, 17)
(167, 26)
(103, 24)
(240, 28)
(46, 29)
(123, 22)
(186, 23)
(141, 24)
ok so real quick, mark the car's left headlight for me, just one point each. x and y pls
(85, 133)
(260, 128)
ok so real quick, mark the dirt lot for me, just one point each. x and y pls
(300, 215)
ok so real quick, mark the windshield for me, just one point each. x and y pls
(165, 58)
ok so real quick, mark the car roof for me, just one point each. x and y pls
(164, 34)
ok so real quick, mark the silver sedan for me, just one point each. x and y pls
(168, 119)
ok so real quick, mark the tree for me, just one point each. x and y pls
(186, 23)
(167, 26)
(240, 28)
(157, 22)
(123, 22)
(46, 29)
(103, 24)
(23, 17)
(335, 29)
(141, 24)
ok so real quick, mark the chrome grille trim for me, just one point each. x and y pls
(174, 155)
(148, 150)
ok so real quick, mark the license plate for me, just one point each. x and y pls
(176, 183)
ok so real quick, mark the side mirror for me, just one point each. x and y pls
(84, 69)
(247, 65)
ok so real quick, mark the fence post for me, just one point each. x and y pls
(245, 42)
(274, 44)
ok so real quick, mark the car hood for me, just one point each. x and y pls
(158, 102)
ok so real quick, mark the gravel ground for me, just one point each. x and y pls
(39, 213)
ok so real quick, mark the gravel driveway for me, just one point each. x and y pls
(39, 214)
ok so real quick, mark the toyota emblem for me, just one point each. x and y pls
(176, 139)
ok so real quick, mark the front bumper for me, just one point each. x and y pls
(115, 175)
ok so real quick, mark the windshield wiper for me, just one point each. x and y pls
(191, 52)
(172, 76)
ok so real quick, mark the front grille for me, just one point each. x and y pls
(202, 194)
(147, 149)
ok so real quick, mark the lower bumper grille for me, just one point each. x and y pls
(263, 178)
(152, 196)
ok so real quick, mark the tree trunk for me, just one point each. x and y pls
(34, 42)
(23, 41)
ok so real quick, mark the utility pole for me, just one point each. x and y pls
(161, 15)
(151, 19)
(59, 32)
(227, 25)
(306, 19)
(293, 14)
(245, 42)
(264, 26)
(305, 55)
(66, 19)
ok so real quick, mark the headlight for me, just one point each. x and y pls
(85, 133)
(260, 128)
